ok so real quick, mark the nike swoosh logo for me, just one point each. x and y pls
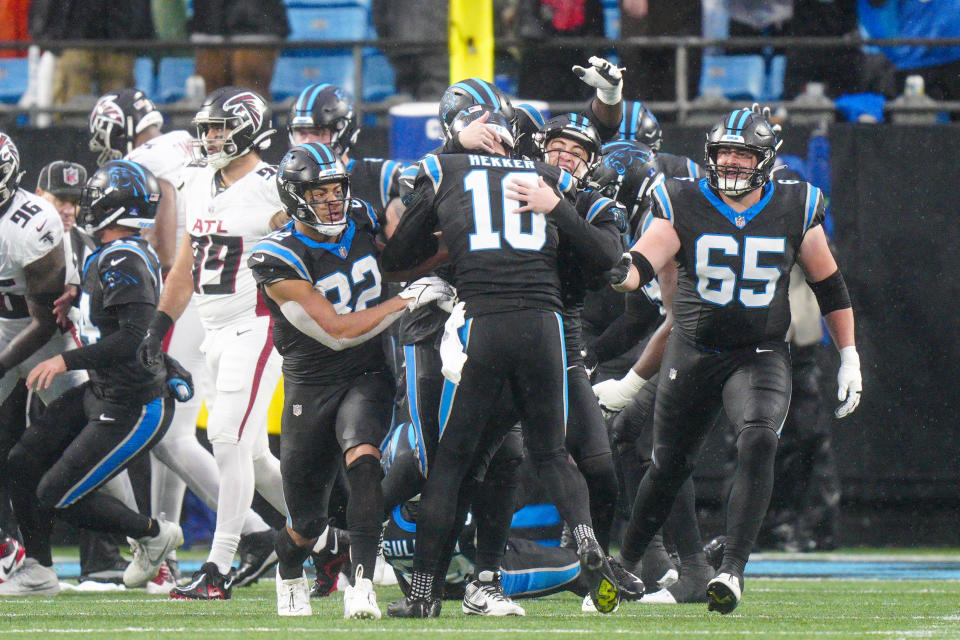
(240, 333)
(759, 350)
(114, 263)
(40, 228)
(105, 418)
(259, 257)
(8, 568)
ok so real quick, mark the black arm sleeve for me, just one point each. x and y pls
(120, 346)
(598, 245)
(607, 133)
(639, 319)
(413, 241)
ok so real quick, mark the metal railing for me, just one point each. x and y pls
(682, 106)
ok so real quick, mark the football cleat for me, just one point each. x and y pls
(484, 597)
(714, 551)
(207, 584)
(410, 607)
(257, 554)
(631, 587)
(293, 596)
(360, 600)
(150, 552)
(12, 555)
(657, 570)
(723, 592)
(163, 582)
(329, 562)
(33, 579)
(587, 605)
(691, 587)
(599, 575)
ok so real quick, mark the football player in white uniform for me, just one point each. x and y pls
(127, 124)
(230, 203)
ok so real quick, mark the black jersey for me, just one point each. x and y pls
(375, 180)
(346, 273)
(673, 166)
(125, 271)
(734, 267)
(502, 260)
(580, 273)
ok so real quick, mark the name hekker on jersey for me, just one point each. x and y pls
(375, 181)
(346, 273)
(30, 228)
(576, 277)
(121, 272)
(223, 227)
(167, 157)
(734, 267)
(502, 260)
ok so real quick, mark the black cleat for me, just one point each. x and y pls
(724, 592)
(657, 570)
(329, 563)
(409, 607)
(631, 587)
(257, 553)
(603, 583)
(691, 587)
(206, 584)
(714, 551)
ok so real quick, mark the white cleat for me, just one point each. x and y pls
(588, 606)
(149, 554)
(658, 597)
(383, 575)
(33, 579)
(293, 596)
(484, 597)
(360, 600)
(163, 582)
(724, 592)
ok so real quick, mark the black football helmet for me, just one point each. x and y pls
(327, 106)
(117, 119)
(307, 167)
(10, 173)
(242, 111)
(469, 92)
(640, 124)
(741, 129)
(627, 173)
(529, 121)
(574, 127)
(120, 192)
(497, 121)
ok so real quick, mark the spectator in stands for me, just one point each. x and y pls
(653, 71)
(238, 21)
(423, 73)
(95, 70)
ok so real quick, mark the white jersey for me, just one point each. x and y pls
(223, 228)
(167, 157)
(29, 229)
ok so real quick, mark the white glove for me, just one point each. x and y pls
(849, 382)
(605, 76)
(427, 290)
(614, 395)
(764, 112)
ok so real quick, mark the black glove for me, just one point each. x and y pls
(150, 351)
(179, 381)
(618, 274)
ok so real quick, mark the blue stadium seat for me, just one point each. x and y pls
(775, 72)
(325, 3)
(739, 77)
(378, 76)
(292, 74)
(13, 79)
(143, 76)
(611, 22)
(329, 22)
(172, 74)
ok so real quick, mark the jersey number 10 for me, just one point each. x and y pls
(477, 182)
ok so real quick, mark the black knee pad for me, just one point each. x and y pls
(759, 441)
(365, 507)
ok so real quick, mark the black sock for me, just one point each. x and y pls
(681, 527)
(102, 512)
(290, 557)
(654, 500)
(364, 513)
(602, 485)
(749, 495)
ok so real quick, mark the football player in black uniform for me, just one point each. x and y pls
(505, 270)
(323, 287)
(735, 236)
(640, 124)
(91, 432)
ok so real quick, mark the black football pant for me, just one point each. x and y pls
(753, 387)
(79, 443)
(524, 351)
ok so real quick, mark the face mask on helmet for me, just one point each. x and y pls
(326, 112)
(495, 120)
(471, 92)
(577, 130)
(119, 193)
(116, 121)
(746, 133)
(231, 123)
(10, 173)
(315, 188)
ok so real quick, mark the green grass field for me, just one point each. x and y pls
(772, 608)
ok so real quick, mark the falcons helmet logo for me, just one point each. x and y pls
(246, 106)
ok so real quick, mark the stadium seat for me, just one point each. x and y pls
(378, 76)
(143, 76)
(739, 77)
(325, 3)
(611, 22)
(13, 79)
(292, 74)
(329, 22)
(172, 74)
(775, 72)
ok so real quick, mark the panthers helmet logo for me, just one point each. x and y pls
(246, 106)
